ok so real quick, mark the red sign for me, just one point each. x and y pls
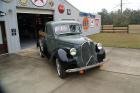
(39, 2)
(85, 23)
(61, 8)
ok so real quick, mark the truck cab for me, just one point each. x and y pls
(72, 51)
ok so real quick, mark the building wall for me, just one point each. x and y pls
(64, 16)
(94, 27)
(75, 15)
(30, 4)
(10, 19)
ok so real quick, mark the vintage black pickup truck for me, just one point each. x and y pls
(71, 51)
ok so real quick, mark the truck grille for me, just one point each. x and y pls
(88, 53)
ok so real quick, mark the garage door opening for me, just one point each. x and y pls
(3, 39)
(29, 26)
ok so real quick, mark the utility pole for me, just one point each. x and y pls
(121, 6)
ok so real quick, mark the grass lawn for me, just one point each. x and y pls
(122, 40)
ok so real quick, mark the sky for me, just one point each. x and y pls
(94, 6)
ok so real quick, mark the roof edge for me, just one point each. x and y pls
(72, 5)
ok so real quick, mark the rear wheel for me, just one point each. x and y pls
(60, 69)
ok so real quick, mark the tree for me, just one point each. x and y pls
(135, 17)
(105, 17)
(117, 18)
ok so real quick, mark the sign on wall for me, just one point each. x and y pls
(1, 40)
(7, 1)
(92, 22)
(23, 2)
(51, 3)
(61, 8)
(85, 23)
(68, 11)
(97, 22)
(39, 2)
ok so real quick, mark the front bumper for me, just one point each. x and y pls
(84, 68)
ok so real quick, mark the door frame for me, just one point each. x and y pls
(22, 10)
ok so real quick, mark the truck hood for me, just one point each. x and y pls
(76, 39)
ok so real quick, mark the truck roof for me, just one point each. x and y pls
(63, 22)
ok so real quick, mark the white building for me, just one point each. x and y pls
(20, 19)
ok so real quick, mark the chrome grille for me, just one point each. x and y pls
(92, 48)
(87, 53)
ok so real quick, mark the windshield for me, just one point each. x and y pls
(68, 29)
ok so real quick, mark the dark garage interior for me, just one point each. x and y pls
(29, 26)
(3, 39)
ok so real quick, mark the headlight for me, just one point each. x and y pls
(99, 46)
(73, 51)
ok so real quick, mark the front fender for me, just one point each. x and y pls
(61, 54)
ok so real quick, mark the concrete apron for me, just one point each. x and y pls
(123, 60)
(26, 72)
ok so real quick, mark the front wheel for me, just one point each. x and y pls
(60, 69)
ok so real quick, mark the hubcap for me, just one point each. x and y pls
(58, 67)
